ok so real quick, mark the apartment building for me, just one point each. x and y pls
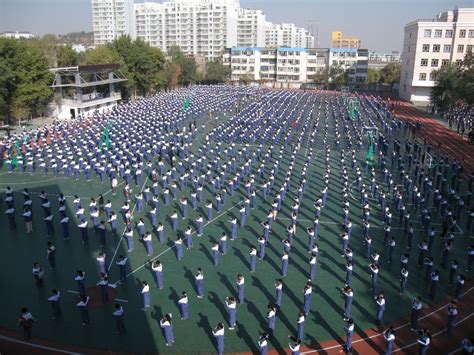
(338, 41)
(278, 67)
(112, 19)
(287, 35)
(429, 44)
(354, 61)
(199, 27)
(251, 27)
(378, 60)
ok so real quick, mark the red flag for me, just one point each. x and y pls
(48, 139)
(40, 142)
(23, 149)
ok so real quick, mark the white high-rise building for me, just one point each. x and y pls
(287, 35)
(150, 23)
(429, 44)
(112, 19)
(199, 27)
(251, 27)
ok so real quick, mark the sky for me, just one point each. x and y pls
(378, 23)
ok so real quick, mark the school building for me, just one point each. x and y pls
(430, 44)
(284, 67)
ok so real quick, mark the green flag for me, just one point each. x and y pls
(105, 137)
(370, 153)
(186, 104)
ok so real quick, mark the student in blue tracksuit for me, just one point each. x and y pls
(301, 323)
(119, 318)
(389, 336)
(218, 333)
(122, 262)
(349, 330)
(253, 258)
(278, 292)
(184, 305)
(307, 294)
(199, 278)
(54, 300)
(380, 300)
(145, 291)
(348, 294)
(271, 317)
(231, 305)
(424, 340)
(103, 283)
(167, 326)
(263, 344)
(240, 281)
(157, 268)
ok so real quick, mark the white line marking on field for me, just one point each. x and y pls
(168, 249)
(435, 334)
(397, 328)
(125, 228)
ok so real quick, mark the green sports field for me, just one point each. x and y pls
(324, 322)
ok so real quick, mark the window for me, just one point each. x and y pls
(469, 48)
(448, 34)
(410, 35)
(408, 48)
(432, 76)
(424, 62)
(438, 33)
(444, 62)
(460, 48)
(427, 33)
(422, 76)
(425, 48)
(462, 33)
(471, 34)
(458, 61)
(436, 48)
(447, 48)
(434, 63)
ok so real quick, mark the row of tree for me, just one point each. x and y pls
(336, 75)
(454, 87)
(389, 74)
(25, 78)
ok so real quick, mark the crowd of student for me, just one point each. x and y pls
(153, 148)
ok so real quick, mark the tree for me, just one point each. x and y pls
(466, 84)
(390, 74)
(143, 63)
(216, 72)
(187, 64)
(172, 74)
(444, 94)
(66, 56)
(33, 93)
(320, 77)
(373, 76)
(8, 53)
(246, 78)
(24, 80)
(337, 75)
(102, 54)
